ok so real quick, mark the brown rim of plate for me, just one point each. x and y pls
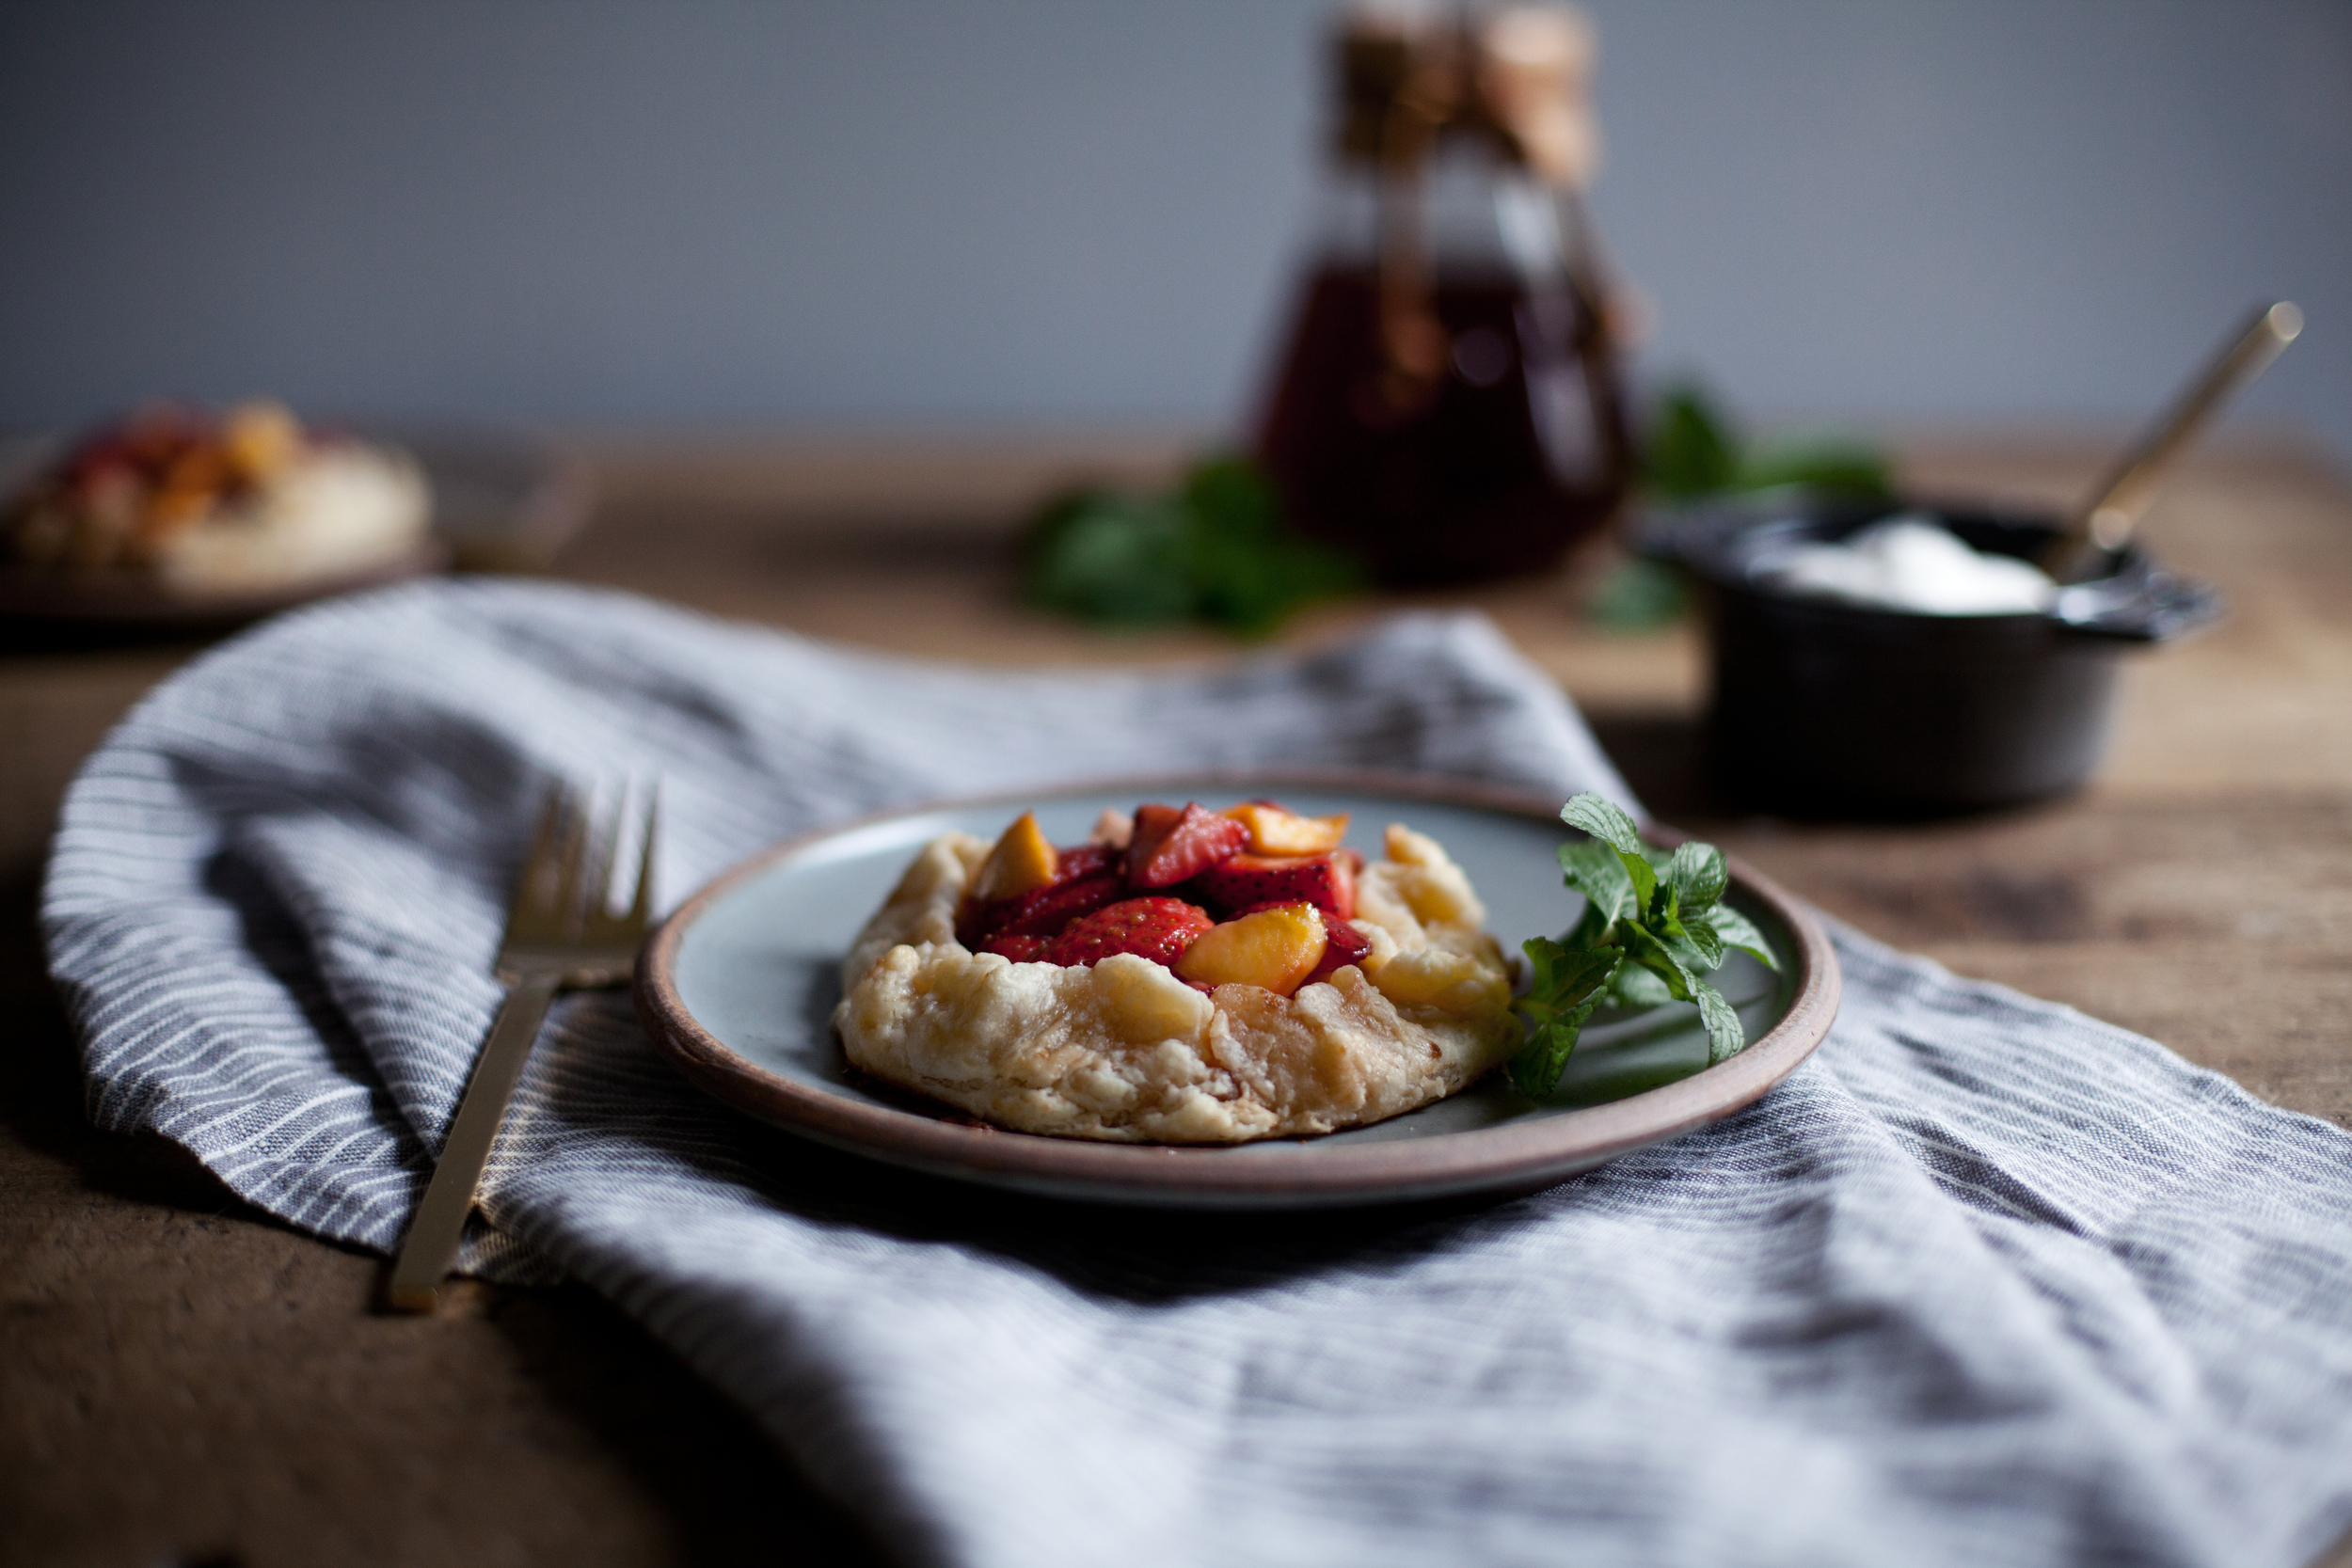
(1523, 1153)
(122, 598)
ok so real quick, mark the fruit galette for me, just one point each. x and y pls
(202, 505)
(1186, 977)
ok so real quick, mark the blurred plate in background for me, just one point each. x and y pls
(502, 502)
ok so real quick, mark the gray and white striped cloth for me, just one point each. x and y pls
(1986, 1281)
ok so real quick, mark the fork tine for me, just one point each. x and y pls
(532, 907)
(604, 925)
(640, 907)
(596, 880)
(564, 915)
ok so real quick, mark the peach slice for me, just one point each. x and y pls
(1276, 831)
(1022, 863)
(1276, 948)
(261, 440)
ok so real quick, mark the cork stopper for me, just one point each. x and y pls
(1400, 83)
(1520, 74)
(1532, 71)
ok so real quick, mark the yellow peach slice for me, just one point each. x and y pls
(261, 440)
(1021, 862)
(1276, 831)
(1439, 977)
(1276, 948)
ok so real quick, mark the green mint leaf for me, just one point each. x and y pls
(1112, 559)
(1695, 451)
(1638, 596)
(1837, 467)
(1725, 1035)
(1568, 985)
(1653, 954)
(1594, 869)
(1643, 876)
(1735, 929)
(1565, 977)
(1605, 820)
(1690, 451)
(1215, 550)
(1697, 943)
(1654, 922)
(1697, 875)
(1660, 915)
(1246, 570)
(1536, 1071)
(1636, 988)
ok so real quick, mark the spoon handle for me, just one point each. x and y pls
(2105, 521)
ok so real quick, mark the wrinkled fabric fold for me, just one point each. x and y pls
(1987, 1280)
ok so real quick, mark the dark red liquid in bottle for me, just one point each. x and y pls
(1493, 461)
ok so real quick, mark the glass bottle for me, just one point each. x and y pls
(1448, 405)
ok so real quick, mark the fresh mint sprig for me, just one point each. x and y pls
(1215, 549)
(1653, 924)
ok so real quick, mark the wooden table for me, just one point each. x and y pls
(182, 1380)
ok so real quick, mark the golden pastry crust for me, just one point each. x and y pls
(1124, 1050)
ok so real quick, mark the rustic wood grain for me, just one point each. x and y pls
(183, 1380)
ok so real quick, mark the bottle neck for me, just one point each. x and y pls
(1463, 213)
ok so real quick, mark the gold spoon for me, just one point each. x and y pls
(2104, 522)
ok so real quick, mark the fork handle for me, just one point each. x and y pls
(430, 1247)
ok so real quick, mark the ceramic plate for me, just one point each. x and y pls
(737, 987)
(133, 599)
(501, 502)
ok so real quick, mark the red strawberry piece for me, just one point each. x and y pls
(1041, 912)
(1327, 881)
(1343, 945)
(1086, 860)
(1156, 928)
(1051, 909)
(1021, 950)
(1171, 846)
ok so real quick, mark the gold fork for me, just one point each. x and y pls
(560, 935)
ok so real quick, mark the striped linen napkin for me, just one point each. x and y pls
(1985, 1281)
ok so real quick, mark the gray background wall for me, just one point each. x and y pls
(941, 212)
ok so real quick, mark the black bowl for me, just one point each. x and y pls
(1827, 708)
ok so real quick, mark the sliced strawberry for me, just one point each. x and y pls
(1041, 913)
(1244, 882)
(1021, 950)
(1170, 845)
(1058, 906)
(1346, 945)
(1156, 928)
(1088, 860)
